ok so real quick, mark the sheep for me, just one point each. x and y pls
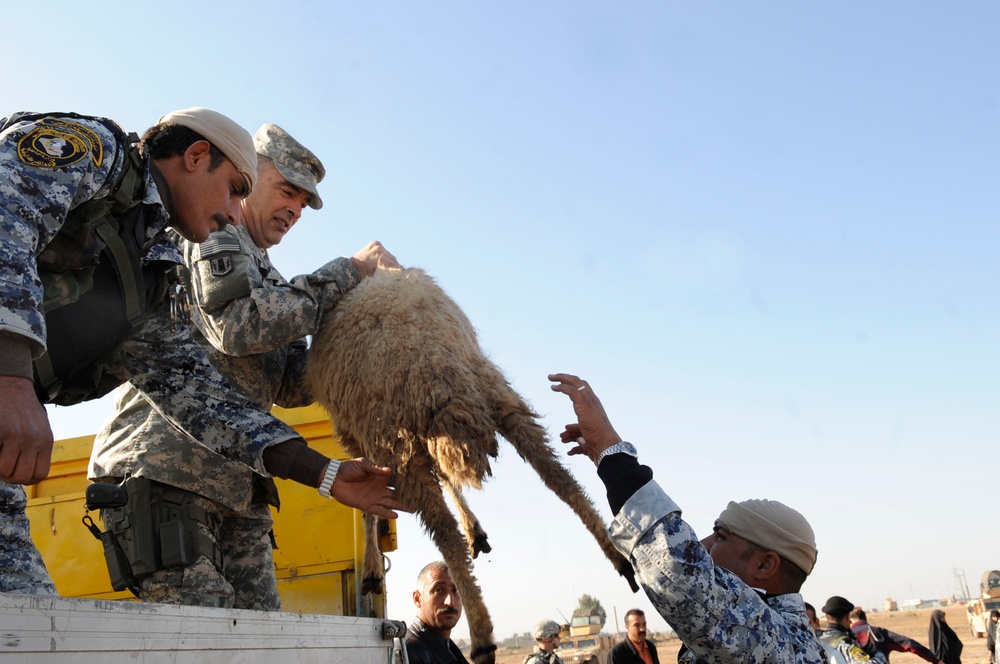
(398, 366)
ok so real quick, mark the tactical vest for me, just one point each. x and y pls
(96, 289)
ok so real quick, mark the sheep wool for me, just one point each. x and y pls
(398, 366)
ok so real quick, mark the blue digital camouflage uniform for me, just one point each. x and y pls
(163, 360)
(842, 639)
(717, 616)
(252, 324)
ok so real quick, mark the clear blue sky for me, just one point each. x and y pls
(765, 232)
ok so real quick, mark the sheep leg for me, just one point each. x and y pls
(373, 568)
(529, 439)
(424, 493)
(474, 533)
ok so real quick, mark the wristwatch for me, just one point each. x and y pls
(331, 474)
(624, 447)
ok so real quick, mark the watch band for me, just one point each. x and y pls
(328, 478)
(622, 447)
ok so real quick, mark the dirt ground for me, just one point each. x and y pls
(913, 624)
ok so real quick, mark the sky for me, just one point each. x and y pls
(766, 234)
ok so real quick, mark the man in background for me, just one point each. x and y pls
(546, 634)
(881, 640)
(635, 649)
(439, 608)
(838, 633)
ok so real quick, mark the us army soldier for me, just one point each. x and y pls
(252, 323)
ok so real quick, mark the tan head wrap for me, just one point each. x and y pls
(234, 141)
(773, 526)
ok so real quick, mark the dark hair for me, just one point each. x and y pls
(436, 565)
(810, 607)
(790, 575)
(634, 612)
(163, 141)
(857, 613)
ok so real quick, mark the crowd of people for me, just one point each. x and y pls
(141, 265)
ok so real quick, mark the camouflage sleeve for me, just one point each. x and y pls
(48, 166)
(295, 390)
(715, 614)
(172, 371)
(255, 313)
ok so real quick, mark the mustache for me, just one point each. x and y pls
(448, 612)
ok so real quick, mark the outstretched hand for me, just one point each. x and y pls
(592, 433)
(25, 434)
(365, 486)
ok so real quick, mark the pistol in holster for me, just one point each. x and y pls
(150, 527)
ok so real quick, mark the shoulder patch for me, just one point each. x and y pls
(57, 143)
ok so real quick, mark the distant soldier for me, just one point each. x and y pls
(547, 638)
(838, 633)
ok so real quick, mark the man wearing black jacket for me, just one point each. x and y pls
(635, 649)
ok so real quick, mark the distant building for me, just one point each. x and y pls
(890, 605)
(909, 604)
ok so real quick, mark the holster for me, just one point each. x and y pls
(157, 529)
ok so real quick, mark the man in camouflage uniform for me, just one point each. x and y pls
(252, 323)
(838, 633)
(734, 596)
(195, 167)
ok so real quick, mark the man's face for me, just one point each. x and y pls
(204, 200)
(813, 620)
(551, 643)
(636, 628)
(273, 208)
(730, 551)
(437, 601)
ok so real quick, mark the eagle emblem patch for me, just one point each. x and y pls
(56, 143)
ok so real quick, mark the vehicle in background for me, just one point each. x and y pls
(584, 644)
(978, 610)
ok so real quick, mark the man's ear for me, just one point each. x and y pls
(416, 598)
(768, 566)
(196, 153)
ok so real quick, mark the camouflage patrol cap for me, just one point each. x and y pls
(294, 161)
(222, 132)
(544, 629)
(773, 526)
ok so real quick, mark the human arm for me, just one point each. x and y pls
(242, 304)
(25, 434)
(900, 643)
(37, 192)
(174, 376)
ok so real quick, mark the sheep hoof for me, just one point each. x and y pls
(485, 654)
(371, 585)
(480, 545)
